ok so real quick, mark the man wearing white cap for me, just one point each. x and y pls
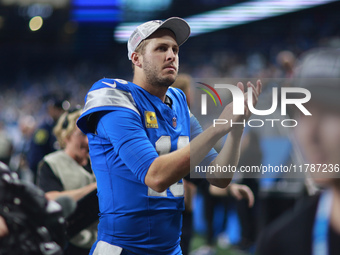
(139, 135)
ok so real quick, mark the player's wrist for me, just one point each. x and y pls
(220, 130)
(236, 132)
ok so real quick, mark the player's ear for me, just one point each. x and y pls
(136, 59)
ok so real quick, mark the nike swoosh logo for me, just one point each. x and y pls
(114, 85)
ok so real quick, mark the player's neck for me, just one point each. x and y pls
(157, 91)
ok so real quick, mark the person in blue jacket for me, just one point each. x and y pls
(143, 140)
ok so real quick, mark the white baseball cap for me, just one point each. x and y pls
(178, 26)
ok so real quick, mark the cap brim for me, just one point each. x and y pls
(179, 27)
(322, 90)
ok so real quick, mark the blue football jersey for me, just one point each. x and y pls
(127, 129)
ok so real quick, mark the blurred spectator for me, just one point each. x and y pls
(43, 141)
(183, 82)
(286, 62)
(6, 145)
(251, 155)
(218, 195)
(313, 228)
(67, 172)
(19, 162)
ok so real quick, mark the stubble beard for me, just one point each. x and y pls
(154, 78)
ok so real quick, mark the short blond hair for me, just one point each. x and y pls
(140, 49)
(66, 125)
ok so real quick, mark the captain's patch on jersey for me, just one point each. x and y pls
(150, 120)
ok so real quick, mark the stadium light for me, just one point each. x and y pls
(230, 16)
(35, 23)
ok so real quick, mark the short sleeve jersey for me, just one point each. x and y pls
(128, 128)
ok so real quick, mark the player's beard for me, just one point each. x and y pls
(154, 77)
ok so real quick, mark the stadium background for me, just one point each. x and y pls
(75, 46)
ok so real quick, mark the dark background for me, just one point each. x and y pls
(64, 41)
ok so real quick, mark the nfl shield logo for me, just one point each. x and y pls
(174, 122)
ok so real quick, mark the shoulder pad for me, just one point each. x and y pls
(111, 83)
(107, 95)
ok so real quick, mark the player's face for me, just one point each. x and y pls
(160, 59)
(319, 135)
(77, 145)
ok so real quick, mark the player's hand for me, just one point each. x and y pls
(256, 91)
(240, 191)
(227, 113)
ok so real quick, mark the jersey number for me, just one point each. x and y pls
(163, 146)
